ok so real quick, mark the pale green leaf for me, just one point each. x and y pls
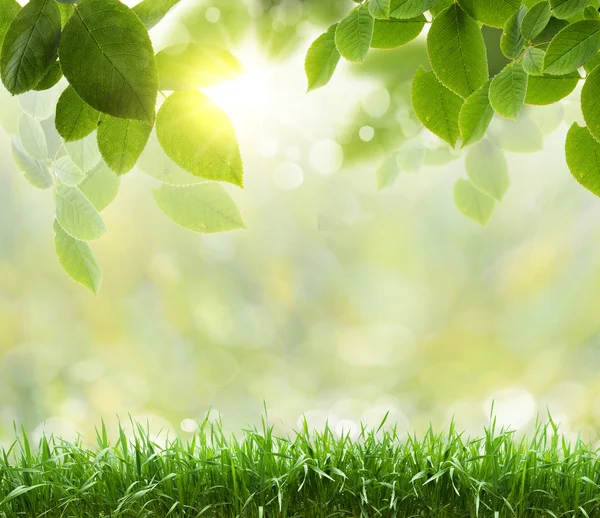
(100, 186)
(379, 8)
(511, 42)
(204, 208)
(572, 47)
(473, 203)
(198, 136)
(535, 20)
(436, 107)
(121, 142)
(508, 90)
(567, 8)
(157, 164)
(533, 61)
(353, 34)
(74, 118)
(38, 104)
(192, 66)
(30, 45)
(33, 137)
(548, 89)
(68, 172)
(387, 172)
(77, 215)
(114, 71)
(475, 115)
(77, 259)
(491, 12)
(457, 51)
(520, 136)
(411, 156)
(487, 168)
(583, 157)
(35, 171)
(409, 8)
(84, 152)
(150, 12)
(393, 33)
(321, 59)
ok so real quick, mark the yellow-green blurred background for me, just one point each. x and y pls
(341, 301)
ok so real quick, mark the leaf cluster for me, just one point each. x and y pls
(550, 46)
(98, 55)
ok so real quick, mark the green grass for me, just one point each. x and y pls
(309, 474)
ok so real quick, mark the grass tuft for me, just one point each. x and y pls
(310, 474)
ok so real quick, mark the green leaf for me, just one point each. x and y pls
(76, 214)
(486, 167)
(491, 12)
(535, 21)
(68, 172)
(353, 34)
(75, 118)
(439, 6)
(572, 47)
(591, 13)
(121, 142)
(457, 51)
(590, 103)
(101, 186)
(511, 42)
(409, 8)
(567, 8)
(33, 137)
(30, 46)
(321, 59)
(77, 259)
(35, 171)
(114, 71)
(390, 34)
(533, 61)
(436, 107)
(592, 63)
(583, 157)
(8, 11)
(192, 66)
(84, 152)
(508, 90)
(155, 163)
(547, 89)
(552, 29)
(150, 12)
(204, 208)
(473, 203)
(379, 8)
(198, 136)
(66, 11)
(52, 77)
(475, 115)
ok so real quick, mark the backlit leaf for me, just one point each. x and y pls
(76, 214)
(590, 103)
(33, 137)
(511, 42)
(546, 89)
(491, 12)
(486, 167)
(567, 8)
(198, 136)
(100, 186)
(535, 20)
(533, 61)
(379, 8)
(121, 142)
(508, 90)
(68, 172)
(75, 118)
(153, 11)
(389, 34)
(35, 171)
(475, 115)
(572, 47)
(321, 59)
(353, 34)
(409, 8)
(583, 157)
(473, 203)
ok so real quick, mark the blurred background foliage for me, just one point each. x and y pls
(358, 288)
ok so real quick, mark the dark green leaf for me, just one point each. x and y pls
(8, 10)
(52, 77)
(512, 41)
(491, 12)
(30, 45)
(114, 71)
(547, 89)
(567, 8)
(535, 21)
